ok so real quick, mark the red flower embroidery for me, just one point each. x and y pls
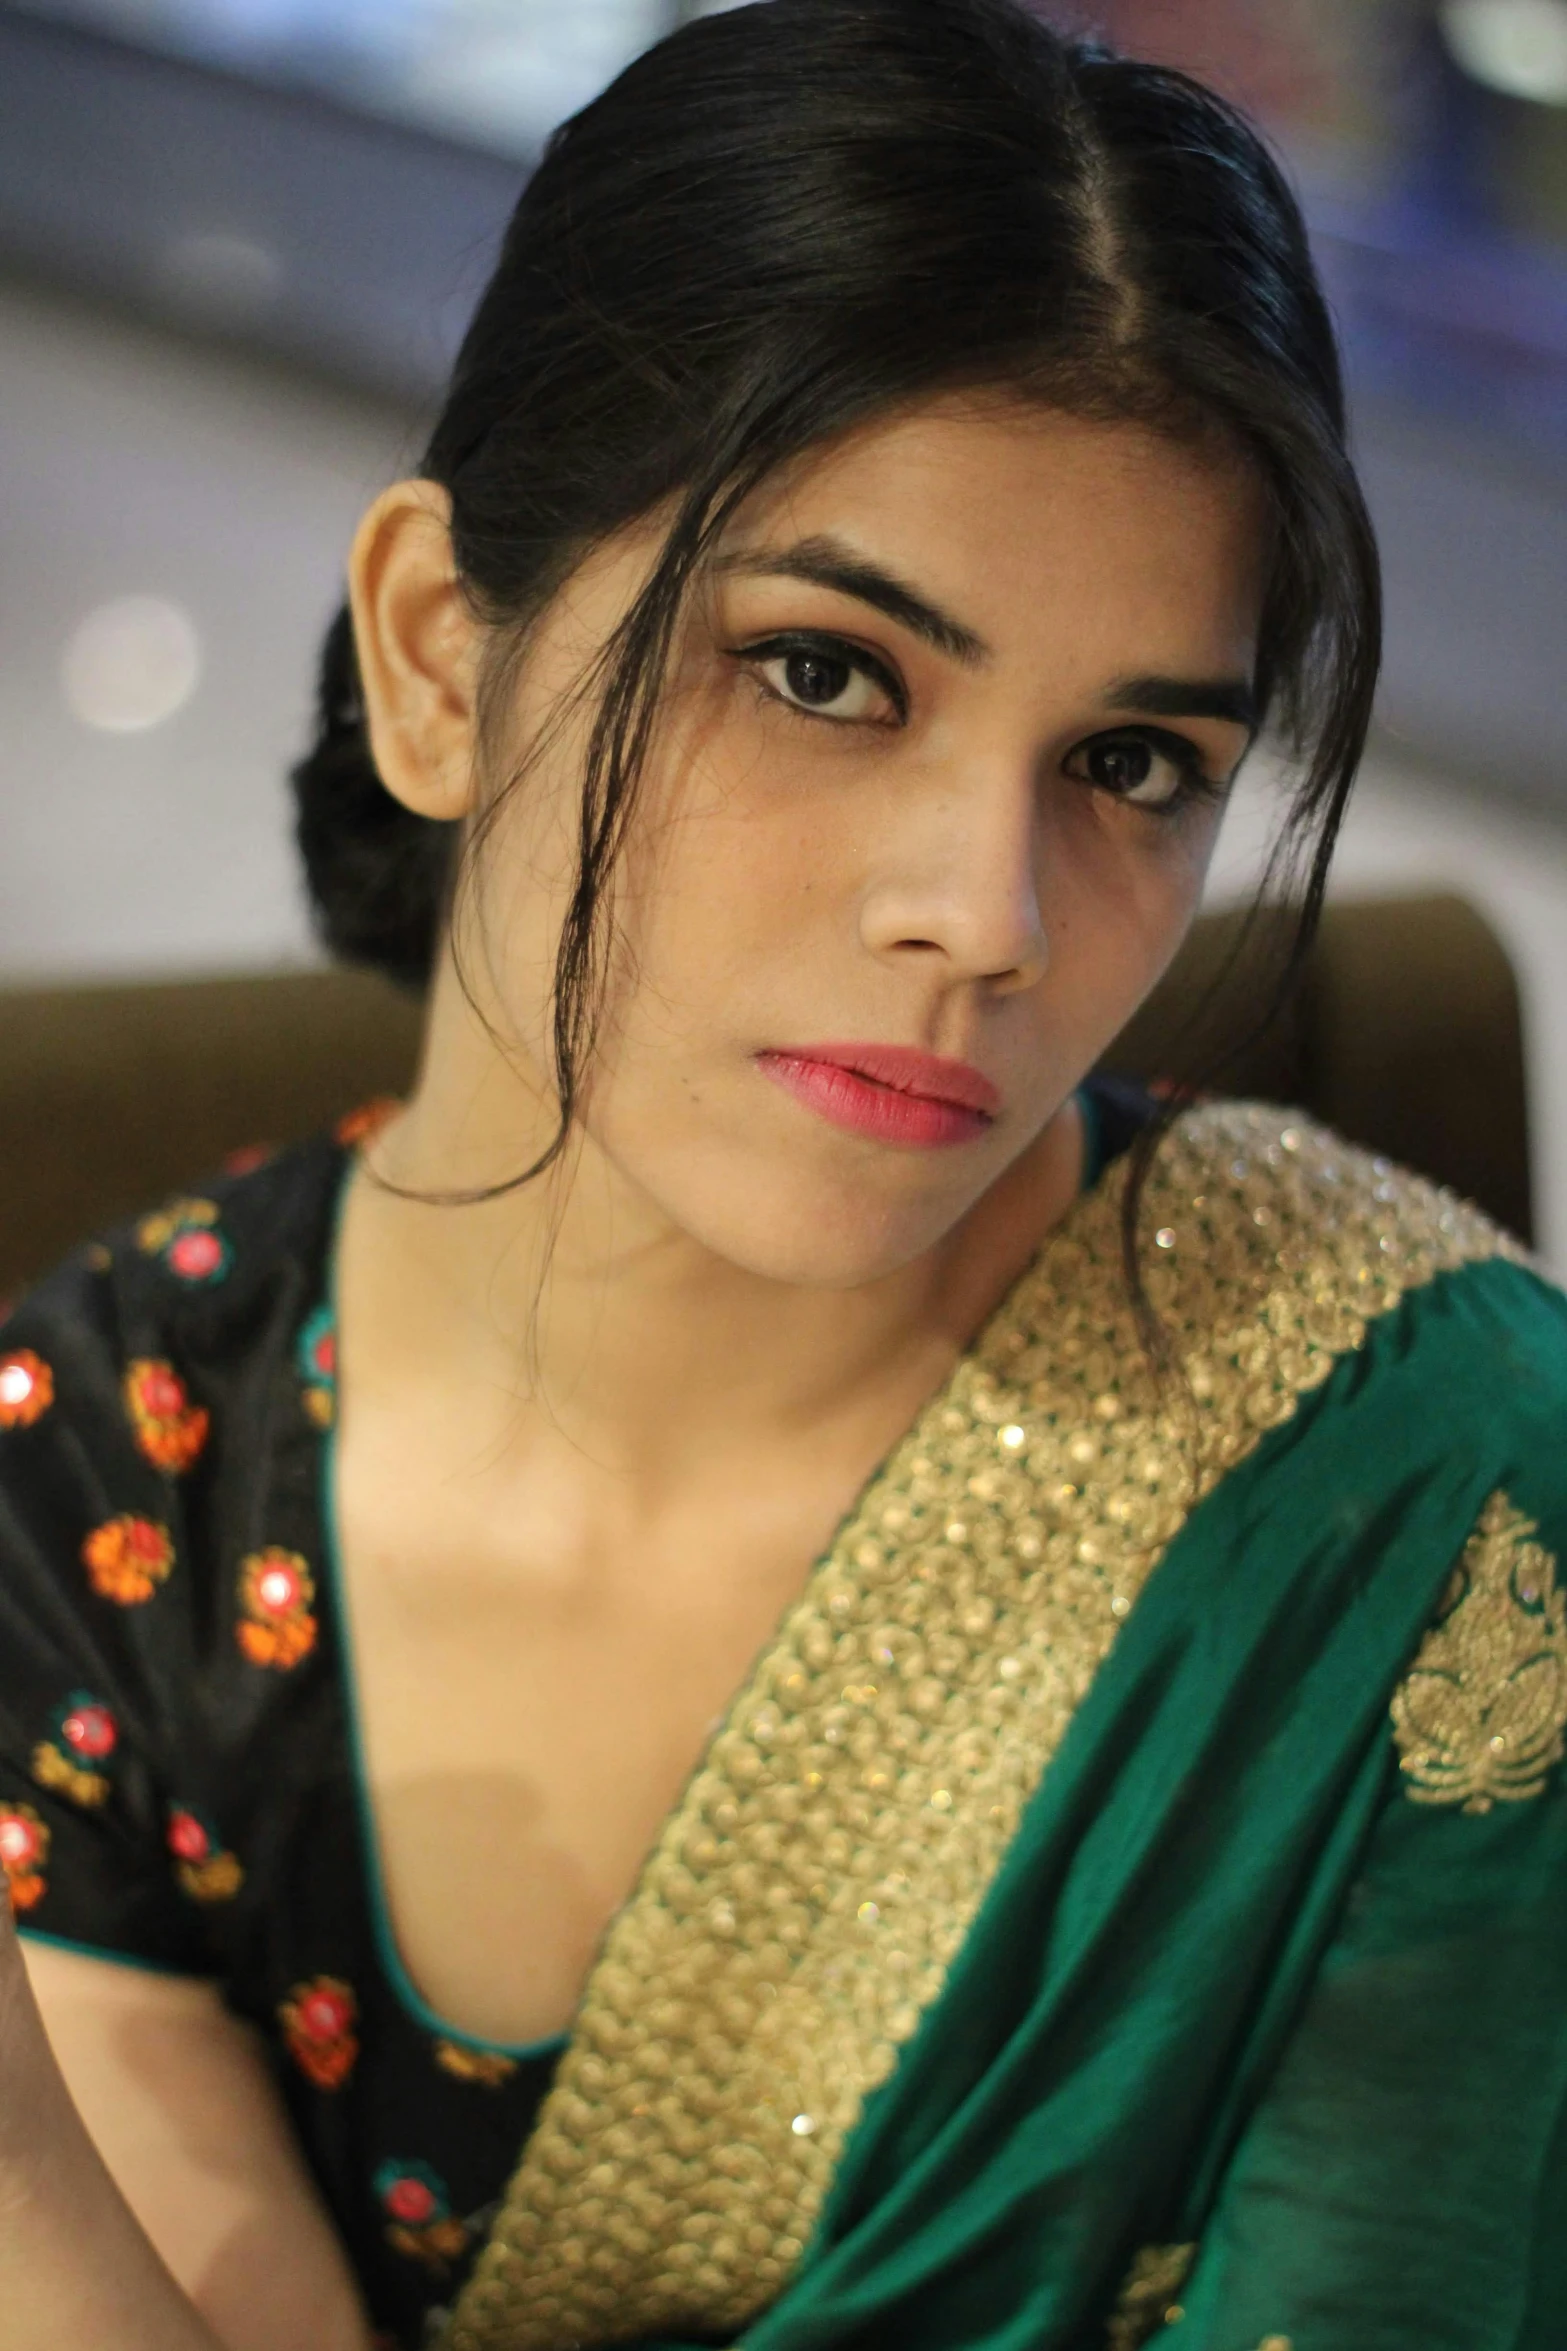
(423, 2224)
(206, 1871)
(363, 1124)
(199, 1255)
(24, 1848)
(26, 1388)
(169, 1429)
(318, 2020)
(276, 1592)
(246, 1160)
(72, 1761)
(183, 1236)
(127, 1558)
(317, 1358)
(90, 1730)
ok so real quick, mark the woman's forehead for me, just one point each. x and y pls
(998, 517)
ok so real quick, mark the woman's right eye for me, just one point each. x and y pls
(826, 680)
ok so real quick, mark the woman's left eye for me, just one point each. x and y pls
(826, 679)
(1148, 768)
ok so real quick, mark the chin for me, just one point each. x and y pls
(811, 1235)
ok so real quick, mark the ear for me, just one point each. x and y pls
(418, 648)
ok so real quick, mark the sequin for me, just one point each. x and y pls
(26, 1388)
(24, 1852)
(1481, 1716)
(276, 1595)
(809, 2021)
(127, 1558)
(169, 1429)
(318, 2020)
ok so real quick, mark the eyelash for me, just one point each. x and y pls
(829, 648)
(1196, 783)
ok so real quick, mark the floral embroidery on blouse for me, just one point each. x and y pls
(489, 2068)
(170, 1430)
(248, 1158)
(73, 1760)
(318, 2020)
(26, 1388)
(363, 1124)
(127, 1559)
(24, 1849)
(420, 2219)
(276, 1590)
(206, 1872)
(316, 1355)
(184, 1235)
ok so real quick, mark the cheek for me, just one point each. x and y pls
(1118, 898)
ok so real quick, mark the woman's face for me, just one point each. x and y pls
(940, 768)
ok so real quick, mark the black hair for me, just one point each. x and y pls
(778, 222)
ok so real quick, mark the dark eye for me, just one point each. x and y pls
(1149, 770)
(816, 679)
(826, 678)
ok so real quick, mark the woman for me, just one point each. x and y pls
(482, 1883)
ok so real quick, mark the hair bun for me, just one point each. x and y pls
(377, 874)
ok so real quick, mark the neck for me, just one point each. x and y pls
(560, 1295)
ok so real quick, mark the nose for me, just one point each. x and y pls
(960, 881)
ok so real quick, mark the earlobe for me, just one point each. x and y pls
(418, 648)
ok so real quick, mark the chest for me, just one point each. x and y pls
(531, 1700)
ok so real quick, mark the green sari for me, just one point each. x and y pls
(1129, 1898)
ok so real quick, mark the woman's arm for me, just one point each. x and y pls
(150, 2198)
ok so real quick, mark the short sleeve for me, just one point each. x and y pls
(97, 1837)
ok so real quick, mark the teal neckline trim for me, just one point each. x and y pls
(408, 1994)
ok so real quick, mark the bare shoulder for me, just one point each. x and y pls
(175, 2094)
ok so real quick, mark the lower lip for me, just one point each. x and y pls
(845, 1099)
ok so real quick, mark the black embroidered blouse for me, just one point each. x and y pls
(179, 1777)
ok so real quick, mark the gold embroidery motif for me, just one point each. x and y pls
(1480, 1717)
(799, 1912)
(1148, 2298)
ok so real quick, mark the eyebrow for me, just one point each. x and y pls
(828, 563)
(1233, 699)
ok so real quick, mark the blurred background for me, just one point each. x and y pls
(238, 241)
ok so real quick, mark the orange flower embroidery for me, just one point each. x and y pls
(318, 2020)
(169, 1429)
(363, 1124)
(276, 1590)
(207, 1872)
(488, 2068)
(26, 1388)
(127, 1559)
(24, 1848)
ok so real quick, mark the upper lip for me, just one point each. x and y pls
(907, 1071)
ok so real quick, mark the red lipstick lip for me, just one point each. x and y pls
(905, 1070)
